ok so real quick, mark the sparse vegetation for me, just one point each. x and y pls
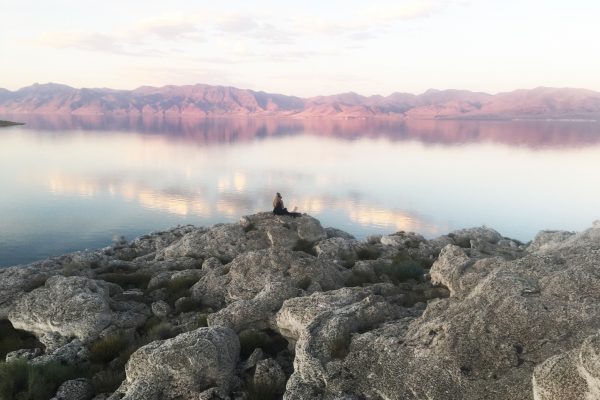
(107, 381)
(107, 348)
(20, 380)
(369, 252)
(402, 268)
(187, 304)
(162, 331)
(304, 283)
(357, 279)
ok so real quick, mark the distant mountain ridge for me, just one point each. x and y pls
(206, 101)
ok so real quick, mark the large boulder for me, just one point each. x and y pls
(182, 367)
(75, 307)
(573, 375)
(258, 282)
(503, 318)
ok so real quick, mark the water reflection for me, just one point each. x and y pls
(208, 131)
(74, 182)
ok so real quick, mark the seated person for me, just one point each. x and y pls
(279, 209)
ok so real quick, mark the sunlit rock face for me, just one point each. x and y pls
(275, 304)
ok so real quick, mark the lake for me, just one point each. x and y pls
(70, 183)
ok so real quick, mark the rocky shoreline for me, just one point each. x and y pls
(274, 307)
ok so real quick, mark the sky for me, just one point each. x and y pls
(308, 48)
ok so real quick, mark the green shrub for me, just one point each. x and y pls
(107, 348)
(201, 321)
(305, 246)
(401, 269)
(107, 381)
(12, 339)
(369, 252)
(19, 380)
(304, 283)
(187, 304)
(131, 280)
(162, 331)
(357, 279)
(179, 287)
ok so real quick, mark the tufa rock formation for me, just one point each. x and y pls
(275, 307)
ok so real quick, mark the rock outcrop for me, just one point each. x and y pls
(278, 307)
(184, 366)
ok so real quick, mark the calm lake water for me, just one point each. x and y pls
(72, 183)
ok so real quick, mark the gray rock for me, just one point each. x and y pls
(502, 319)
(182, 367)
(23, 354)
(253, 359)
(161, 309)
(74, 307)
(572, 375)
(76, 389)
(268, 373)
(404, 240)
(334, 232)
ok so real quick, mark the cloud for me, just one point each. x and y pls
(82, 41)
(236, 23)
(170, 27)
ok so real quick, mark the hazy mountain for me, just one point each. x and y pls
(206, 100)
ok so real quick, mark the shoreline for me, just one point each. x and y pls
(277, 305)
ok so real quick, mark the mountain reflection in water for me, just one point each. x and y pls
(72, 182)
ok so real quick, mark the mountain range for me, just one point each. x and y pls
(208, 101)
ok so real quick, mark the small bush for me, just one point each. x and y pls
(162, 331)
(132, 280)
(107, 381)
(305, 246)
(19, 380)
(401, 269)
(179, 287)
(357, 279)
(304, 283)
(369, 252)
(12, 339)
(348, 260)
(187, 304)
(201, 321)
(107, 348)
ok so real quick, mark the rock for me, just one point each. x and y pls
(256, 312)
(15, 282)
(74, 307)
(76, 389)
(572, 375)
(250, 272)
(463, 237)
(402, 240)
(182, 367)
(23, 354)
(503, 318)
(74, 353)
(161, 309)
(253, 359)
(338, 249)
(268, 374)
(334, 232)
